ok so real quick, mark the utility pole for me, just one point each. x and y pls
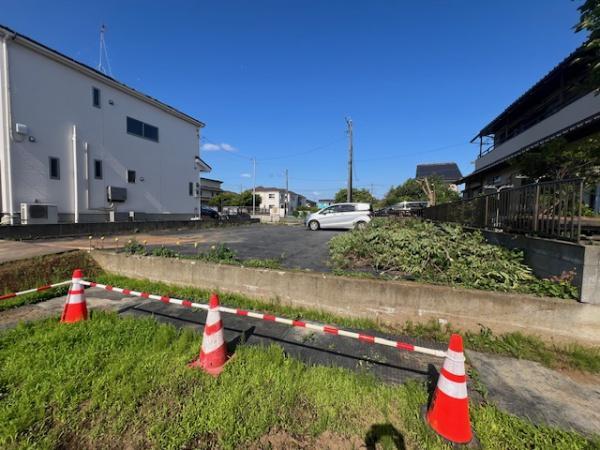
(253, 186)
(287, 193)
(350, 151)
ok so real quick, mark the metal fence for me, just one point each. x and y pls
(550, 209)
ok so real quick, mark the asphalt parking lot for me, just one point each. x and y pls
(293, 245)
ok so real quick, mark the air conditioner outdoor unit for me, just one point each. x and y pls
(38, 213)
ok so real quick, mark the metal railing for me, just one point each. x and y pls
(549, 209)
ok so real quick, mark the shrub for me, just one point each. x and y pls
(439, 253)
(133, 247)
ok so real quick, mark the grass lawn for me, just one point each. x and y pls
(115, 382)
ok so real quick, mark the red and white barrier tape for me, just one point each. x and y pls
(30, 291)
(295, 323)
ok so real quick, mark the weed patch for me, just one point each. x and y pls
(34, 272)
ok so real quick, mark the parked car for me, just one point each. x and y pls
(409, 208)
(340, 215)
(208, 212)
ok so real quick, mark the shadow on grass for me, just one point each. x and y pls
(246, 333)
(386, 435)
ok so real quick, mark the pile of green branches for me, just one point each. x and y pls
(440, 253)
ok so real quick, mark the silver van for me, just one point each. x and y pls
(340, 215)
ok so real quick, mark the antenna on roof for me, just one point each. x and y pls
(103, 62)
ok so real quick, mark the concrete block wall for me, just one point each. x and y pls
(549, 258)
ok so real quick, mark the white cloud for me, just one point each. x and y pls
(315, 193)
(245, 175)
(223, 147)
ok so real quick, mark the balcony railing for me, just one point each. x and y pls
(549, 209)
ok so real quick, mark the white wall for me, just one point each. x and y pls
(580, 109)
(50, 98)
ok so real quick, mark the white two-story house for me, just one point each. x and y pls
(273, 200)
(79, 146)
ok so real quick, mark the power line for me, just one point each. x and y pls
(405, 155)
(293, 155)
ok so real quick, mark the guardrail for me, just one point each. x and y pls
(548, 209)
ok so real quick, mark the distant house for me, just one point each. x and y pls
(561, 104)
(273, 200)
(209, 188)
(323, 203)
(448, 172)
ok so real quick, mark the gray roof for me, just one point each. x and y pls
(446, 171)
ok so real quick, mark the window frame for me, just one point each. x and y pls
(99, 103)
(191, 188)
(129, 172)
(50, 160)
(143, 132)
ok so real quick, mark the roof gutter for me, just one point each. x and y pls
(82, 68)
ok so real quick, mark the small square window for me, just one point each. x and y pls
(97, 169)
(54, 168)
(96, 97)
(131, 176)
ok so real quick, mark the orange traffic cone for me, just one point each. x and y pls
(213, 353)
(448, 413)
(75, 306)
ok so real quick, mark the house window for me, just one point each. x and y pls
(131, 176)
(190, 188)
(54, 168)
(96, 97)
(97, 169)
(271, 195)
(141, 129)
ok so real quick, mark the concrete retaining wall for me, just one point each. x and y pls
(389, 301)
(549, 257)
(22, 232)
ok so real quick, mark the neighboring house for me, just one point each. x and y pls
(87, 145)
(273, 200)
(209, 188)
(311, 203)
(324, 203)
(449, 173)
(559, 105)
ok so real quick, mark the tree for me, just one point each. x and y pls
(224, 199)
(358, 195)
(589, 20)
(427, 189)
(246, 199)
(560, 159)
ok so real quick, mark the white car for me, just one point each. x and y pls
(341, 215)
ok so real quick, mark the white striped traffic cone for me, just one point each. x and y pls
(448, 413)
(75, 306)
(213, 353)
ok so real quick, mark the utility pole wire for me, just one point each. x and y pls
(350, 151)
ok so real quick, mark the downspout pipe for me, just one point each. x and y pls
(75, 177)
(8, 129)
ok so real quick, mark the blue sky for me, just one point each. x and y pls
(274, 79)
